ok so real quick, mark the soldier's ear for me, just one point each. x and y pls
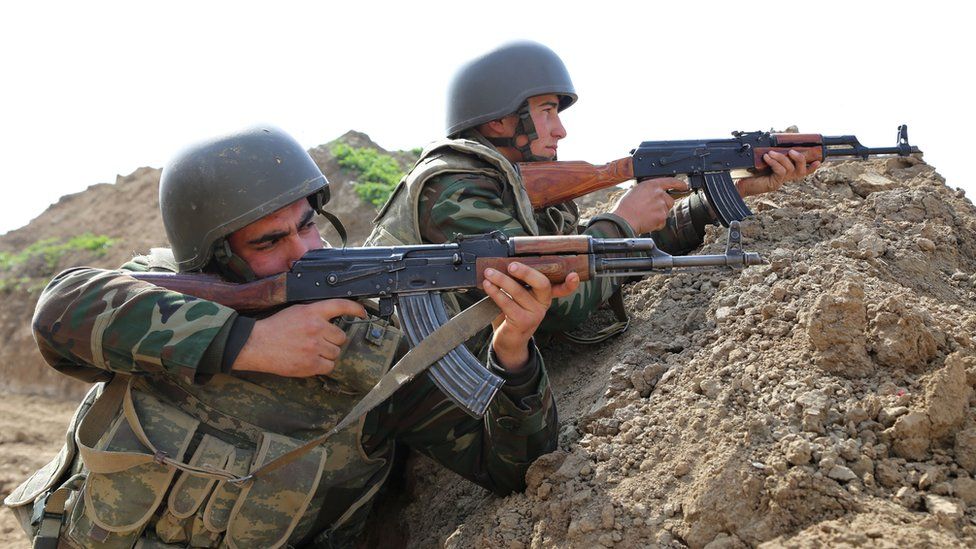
(498, 128)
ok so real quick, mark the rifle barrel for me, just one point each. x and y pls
(864, 152)
(849, 146)
(620, 266)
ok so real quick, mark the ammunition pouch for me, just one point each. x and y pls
(141, 469)
(42, 520)
(124, 488)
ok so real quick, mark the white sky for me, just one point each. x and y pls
(94, 89)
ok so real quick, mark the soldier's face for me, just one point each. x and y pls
(544, 110)
(271, 244)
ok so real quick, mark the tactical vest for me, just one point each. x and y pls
(142, 454)
(397, 223)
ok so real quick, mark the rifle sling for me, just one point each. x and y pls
(455, 332)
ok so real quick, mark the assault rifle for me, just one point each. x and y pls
(708, 163)
(409, 279)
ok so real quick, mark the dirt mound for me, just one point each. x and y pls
(356, 215)
(128, 213)
(823, 398)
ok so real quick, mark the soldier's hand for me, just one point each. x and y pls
(784, 169)
(522, 310)
(299, 341)
(645, 206)
(566, 287)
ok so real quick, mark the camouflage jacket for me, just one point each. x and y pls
(465, 186)
(90, 323)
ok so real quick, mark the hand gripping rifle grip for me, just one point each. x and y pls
(458, 374)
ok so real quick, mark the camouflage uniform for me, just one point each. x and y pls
(465, 186)
(95, 324)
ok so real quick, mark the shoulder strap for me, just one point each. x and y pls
(118, 393)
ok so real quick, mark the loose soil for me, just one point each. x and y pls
(825, 398)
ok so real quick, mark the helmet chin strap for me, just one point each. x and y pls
(525, 127)
(318, 201)
(229, 265)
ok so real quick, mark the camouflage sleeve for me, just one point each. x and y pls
(104, 321)
(455, 204)
(520, 425)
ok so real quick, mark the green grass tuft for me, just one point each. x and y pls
(378, 173)
(42, 258)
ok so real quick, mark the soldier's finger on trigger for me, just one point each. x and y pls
(677, 185)
(334, 308)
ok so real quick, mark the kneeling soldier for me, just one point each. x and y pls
(192, 396)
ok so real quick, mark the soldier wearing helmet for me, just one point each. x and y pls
(504, 107)
(196, 395)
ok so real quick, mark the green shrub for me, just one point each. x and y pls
(43, 258)
(377, 173)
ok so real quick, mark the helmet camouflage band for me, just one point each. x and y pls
(213, 188)
(498, 83)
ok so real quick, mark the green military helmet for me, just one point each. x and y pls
(498, 83)
(212, 188)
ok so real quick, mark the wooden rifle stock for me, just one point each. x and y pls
(555, 267)
(809, 144)
(549, 183)
(259, 295)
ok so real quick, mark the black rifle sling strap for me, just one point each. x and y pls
(337, 225)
